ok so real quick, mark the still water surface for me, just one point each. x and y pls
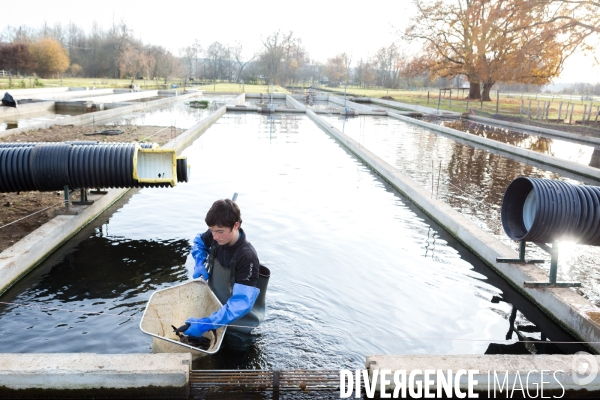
(356, 269)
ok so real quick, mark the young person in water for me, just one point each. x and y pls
(232, 272)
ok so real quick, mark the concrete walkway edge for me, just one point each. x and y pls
(551, 132)
(79, 374)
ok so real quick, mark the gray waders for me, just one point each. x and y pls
(221, 282)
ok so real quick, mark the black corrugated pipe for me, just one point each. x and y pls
(15, 172)
(101, 166)
(545, 210)
(51, 166)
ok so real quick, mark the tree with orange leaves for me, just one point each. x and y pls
(50, 57)
(511, 41)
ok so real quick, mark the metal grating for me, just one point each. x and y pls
(264, 380)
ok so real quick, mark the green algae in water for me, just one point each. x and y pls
(199, 103)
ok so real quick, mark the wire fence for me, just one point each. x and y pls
(558, 110)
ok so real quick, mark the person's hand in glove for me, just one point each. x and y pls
(195, 327)
(199, 252)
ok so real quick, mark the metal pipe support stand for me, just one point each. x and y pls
(67, 210)
(553, 250)
(98, 191)
(83, 200)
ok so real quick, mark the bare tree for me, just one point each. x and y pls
(388, 61)
(238, 55)
(167, 65)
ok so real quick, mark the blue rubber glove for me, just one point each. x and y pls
(239, 304)
(197, 327)
(199, 252)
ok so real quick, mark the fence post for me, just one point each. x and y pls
(428, 97)
(548, 109)
(559, 111)
(522, 107)
(537, 110)
(543, 111)
(439, 101)
(590, 113)
(468, 102)
(529, 112)
(584, 114)
(597, 112)
(571, 115)
(450, 99)
(497, 100)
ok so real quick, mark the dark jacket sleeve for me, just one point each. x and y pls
(207, 238)
(246, 268)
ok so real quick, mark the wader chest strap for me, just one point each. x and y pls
(232, 270)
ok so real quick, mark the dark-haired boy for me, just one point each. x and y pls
(232, 272)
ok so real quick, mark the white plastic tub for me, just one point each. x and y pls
(173, 306)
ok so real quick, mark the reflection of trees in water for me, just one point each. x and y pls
(278, 124)
(114, 267)
(484, 176)
(535, 143)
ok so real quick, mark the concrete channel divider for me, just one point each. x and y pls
(26, 109)
(361, 109)
(293, 103)
(100, 116)
(566, 165)
(83, 375)
(121, 97)
(514, 372)
(72, 93)
(27, 93)
(17, 260)
(576, 314)
(545, 131)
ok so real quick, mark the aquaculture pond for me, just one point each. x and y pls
(182, 114)
(469, 178)
(356, 268)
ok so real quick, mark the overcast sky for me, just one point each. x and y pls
(326, 27)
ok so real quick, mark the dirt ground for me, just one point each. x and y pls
(20, 206)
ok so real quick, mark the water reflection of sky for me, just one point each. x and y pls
(472, 181)
(180, 114)
(356, 269)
